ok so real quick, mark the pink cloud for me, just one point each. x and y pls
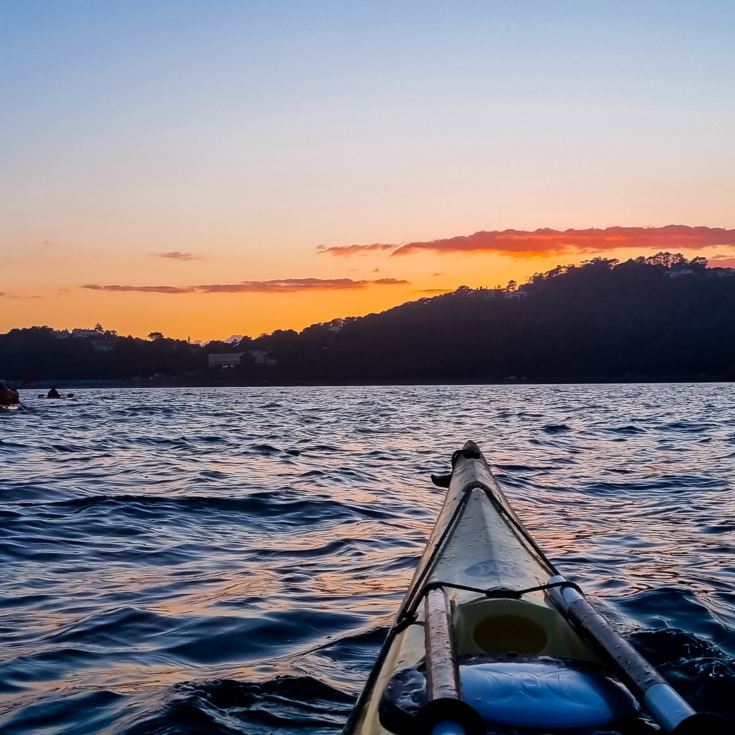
(722, 261)
(527, 243)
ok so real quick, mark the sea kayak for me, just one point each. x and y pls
(7, 407)
(491, 638)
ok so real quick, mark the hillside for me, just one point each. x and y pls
(653, 318)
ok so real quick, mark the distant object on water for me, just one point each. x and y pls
(53, 393)
(9, 398)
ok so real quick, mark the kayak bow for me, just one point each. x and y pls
(490, 637)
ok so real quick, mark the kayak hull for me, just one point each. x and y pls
(477, 545)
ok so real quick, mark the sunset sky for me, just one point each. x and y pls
(205, 168)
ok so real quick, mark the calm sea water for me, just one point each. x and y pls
(228, 560)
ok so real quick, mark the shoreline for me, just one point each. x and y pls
(174, 383)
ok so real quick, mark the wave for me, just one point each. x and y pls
(287, 705)
(290, 508)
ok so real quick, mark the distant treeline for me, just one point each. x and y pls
(657, 318)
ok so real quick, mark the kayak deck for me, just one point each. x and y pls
(476, 545)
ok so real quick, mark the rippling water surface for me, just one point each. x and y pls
(228, 560)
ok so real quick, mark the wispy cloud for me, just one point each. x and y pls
(6, 295)
(288, 285)
(530, 243)
(434, 290)
(280, 285)
(140, 289)
(354, 249)
(177, 255)
(389, 282)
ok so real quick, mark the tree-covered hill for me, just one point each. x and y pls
(662, 317)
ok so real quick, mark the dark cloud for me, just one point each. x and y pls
(526, 243)
(279, 285)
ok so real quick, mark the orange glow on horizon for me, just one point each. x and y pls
(201, 294)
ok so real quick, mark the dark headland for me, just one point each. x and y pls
(661, 318)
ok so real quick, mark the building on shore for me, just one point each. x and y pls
(226, 360)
